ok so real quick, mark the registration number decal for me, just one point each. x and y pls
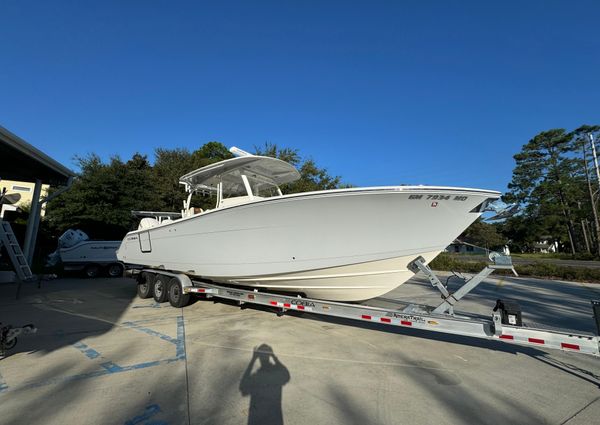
(439, 197)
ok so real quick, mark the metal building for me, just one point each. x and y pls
(21, 161)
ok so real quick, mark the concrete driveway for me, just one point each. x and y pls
(102, 356)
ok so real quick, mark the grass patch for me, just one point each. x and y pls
(580, 256)
(447, 262)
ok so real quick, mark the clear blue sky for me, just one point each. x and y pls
(380, 93)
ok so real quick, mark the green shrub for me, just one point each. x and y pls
(447, 262)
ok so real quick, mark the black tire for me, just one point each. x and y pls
(145, 285)
(176, 296)
(160, 290)
(92, 270)
(11, 344)
(114, 270)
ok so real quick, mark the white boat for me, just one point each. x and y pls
(76, 251)
(341, 245)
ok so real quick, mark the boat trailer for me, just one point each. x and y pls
(504, 325)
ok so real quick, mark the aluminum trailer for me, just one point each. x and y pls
(503, 325)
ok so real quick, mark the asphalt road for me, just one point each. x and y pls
(102, 356)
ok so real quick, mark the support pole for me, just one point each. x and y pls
(595, 157)
(33, 222)
(592, 197)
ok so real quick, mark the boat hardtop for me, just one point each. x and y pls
(258, 170)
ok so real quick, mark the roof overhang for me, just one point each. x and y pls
(22, 162)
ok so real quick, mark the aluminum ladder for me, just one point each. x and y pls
(18, 260)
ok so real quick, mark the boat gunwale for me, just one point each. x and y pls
(335, 192)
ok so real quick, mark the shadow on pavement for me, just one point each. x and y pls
(499, 346)
(265, 387)
(64, 310)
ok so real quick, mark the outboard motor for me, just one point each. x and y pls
(71, 238)
(68, 239)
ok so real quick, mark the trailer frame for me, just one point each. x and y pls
(442, 319)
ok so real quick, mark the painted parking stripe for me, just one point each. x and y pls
(149, 411)
(180, 350)
(3, 384)
(152, 332)
(112, 367)
(90, 353)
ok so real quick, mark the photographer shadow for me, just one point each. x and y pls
(265, 387)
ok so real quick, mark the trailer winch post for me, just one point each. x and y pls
(420, 264)
(500, 261)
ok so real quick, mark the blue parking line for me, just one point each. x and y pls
(154, 305)
(153, 319)
(152, 332)
(180, 351)
(112, 367)
(94, 374)
(3, 384)
(149, 411)
(89, 352)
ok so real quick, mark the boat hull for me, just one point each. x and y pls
(344, 283)
(343, 245)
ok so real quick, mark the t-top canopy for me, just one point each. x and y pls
(263, 168)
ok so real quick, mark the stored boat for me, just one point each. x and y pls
(76, 251)
(342, 245)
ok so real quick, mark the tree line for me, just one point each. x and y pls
(103, 195)
(554, 181)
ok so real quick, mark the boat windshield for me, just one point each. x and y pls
(263, 189)
(232, 185)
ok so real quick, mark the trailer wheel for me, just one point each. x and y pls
(92, 270)
(114, 270)
(176, 296)
(160, 289)
(11, 344)
(145, 285)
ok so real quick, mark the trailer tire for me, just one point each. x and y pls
(11, 344)
(145, 285)
(160, 288)
(176, 296)
(92, 270)
(114, 270)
